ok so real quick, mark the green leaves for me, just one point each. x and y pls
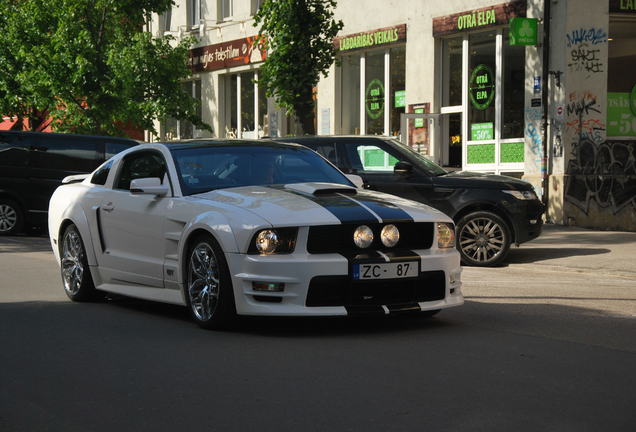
(88, 64)
(299, 37)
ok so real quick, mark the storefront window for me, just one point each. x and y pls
(374, 93)
(452, 76)
(247, 104)
(481, 86)
(513, 88)
(397, 96)
(621, 80)
(174, 129)
(350, 91)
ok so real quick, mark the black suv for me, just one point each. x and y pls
(490, 211)
(32, 166)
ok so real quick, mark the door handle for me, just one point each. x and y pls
(108, 207)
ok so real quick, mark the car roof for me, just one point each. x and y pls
(200, 143)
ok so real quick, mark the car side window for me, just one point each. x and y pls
(100, 176)
(141, 164)
(371, 157)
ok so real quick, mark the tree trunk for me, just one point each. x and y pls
(305, 112)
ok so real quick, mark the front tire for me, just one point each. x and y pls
(76, 275)
(11, 217)
(209, 292)
(483, 239)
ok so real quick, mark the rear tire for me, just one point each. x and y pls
(76, 274)
(209, 292)
(483, 239)
(11, 217)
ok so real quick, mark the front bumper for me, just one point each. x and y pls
(527, 219)
(321, 285)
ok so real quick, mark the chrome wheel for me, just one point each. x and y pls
(72, 262)
(203, 281)
(483, 240)
(8, 218)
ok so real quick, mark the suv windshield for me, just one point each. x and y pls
(430, 166)
(202, 169)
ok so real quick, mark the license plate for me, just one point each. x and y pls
(386, 270)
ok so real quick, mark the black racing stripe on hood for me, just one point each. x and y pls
(387, 211)
(346, 210)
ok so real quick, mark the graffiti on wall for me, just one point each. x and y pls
(583, 117)
(584, 45)
(534, 116)
(603, 173)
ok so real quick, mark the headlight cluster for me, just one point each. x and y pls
(273, 240)
(522, 195)
(363, 236)
(445, 235)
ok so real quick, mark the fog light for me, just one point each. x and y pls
(268, 286)
(363, 236)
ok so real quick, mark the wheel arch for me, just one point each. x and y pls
(483, 206)
(84, 233)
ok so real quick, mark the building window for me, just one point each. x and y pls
(165, 21)
(194, 12)
(256, 4)
(245, 110)
(375, 108)
(621, 80)
(174, 129)
(226, 9)
(514, 61)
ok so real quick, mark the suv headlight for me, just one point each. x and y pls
(273, 241)
(445, 235)
(522, 195)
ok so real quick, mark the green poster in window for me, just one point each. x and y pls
(482, 131)
(621, 118)
(418, 122)
(400, 98)
(374, 99)
(523, 31)
(481, 87)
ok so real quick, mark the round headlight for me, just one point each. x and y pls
(363, 236)
(390, 235)
(267, 241)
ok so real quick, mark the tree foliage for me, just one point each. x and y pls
(299, 37)
(89, 65)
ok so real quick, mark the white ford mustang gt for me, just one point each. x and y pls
(249, 228)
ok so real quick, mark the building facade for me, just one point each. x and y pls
(551, 99)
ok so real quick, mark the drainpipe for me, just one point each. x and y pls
(544, 101)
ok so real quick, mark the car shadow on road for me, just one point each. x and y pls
(21, 244)
(531, 255)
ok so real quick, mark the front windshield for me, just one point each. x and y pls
(202, 169)
(428, 164)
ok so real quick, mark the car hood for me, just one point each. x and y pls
(474, 180)
(305, 204)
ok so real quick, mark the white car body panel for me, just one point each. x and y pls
(136, 243)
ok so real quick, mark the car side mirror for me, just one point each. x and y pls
(403, 168)
(149, 186)
(356, 180)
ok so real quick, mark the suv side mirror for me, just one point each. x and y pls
(403, 168)
(148, 186)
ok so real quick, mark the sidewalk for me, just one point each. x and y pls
(579, 249)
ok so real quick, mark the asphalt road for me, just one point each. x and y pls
(535, 348)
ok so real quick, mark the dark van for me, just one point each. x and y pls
(490, 211)
(32, 166)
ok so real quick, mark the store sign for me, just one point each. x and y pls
(621, 114)
(370, 39)
(479, 18)
(482, 87)
(374, 99)
(622, 6)
(482, 131)
(400, 99)
(523, 31)
(238, 52)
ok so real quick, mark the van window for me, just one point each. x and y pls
(112, 148)
(67, 154)
(13, 151)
